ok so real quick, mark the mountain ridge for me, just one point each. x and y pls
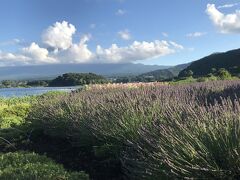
(229, 60)
(53, 70)
(162, 74)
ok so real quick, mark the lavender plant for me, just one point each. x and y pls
(181, 131)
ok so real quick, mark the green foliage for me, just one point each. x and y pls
(13, 111)
(12, 83)
(75, 79)
(6, 83)
(210, 77)
(23, 166)
(157, 75)
(213, 70)
(153, 76)
(38, 83)
(68, 79)
(161, 74)
(212, 63)
(186, 80)
(188, 73)
(223, 74)
(22, 83)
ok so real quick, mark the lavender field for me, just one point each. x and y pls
(119, 90)
(141, 131)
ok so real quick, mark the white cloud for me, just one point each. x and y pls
(32, 54)
(59, 35)
(37, 54)
(176, 45)
(136, 51)
(228, 5)
(77, 53)
(10, 59)
(11, 56)
(63, 50)
(165, 34)
(226, 23)
(125, 34)
(196, 34)
(120, 12)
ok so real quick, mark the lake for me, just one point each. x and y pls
(18, 92)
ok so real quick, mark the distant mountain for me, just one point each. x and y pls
(229, 60)
(165, 73)
(51, 71)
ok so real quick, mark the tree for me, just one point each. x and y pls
(188, 73)
(223, 74)
(213, 70)
(7, 83)
(75, 79)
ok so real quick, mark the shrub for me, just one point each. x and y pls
(13, 111)
(193, 142)
(224, 74)
(157, 131)
(23, 165)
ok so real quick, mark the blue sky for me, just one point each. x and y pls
(164, 32)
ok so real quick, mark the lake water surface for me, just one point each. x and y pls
(18, 92)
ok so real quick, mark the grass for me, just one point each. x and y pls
(135, 131)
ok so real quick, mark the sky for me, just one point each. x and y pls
(162, 32)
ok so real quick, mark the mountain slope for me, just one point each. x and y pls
(165, 73)
(51, 71)
(229, 60)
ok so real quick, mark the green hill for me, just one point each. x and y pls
(229, 60)
(162, 74)
(76, 79)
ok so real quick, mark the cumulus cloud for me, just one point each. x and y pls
(11, 56)
(136, 51)
(120, 12)
(77, 53)
(38, 54)
(10, 59)
(59, 36)
(226, 23)
(196, 34)
(125, 34)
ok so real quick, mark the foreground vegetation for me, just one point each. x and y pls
(137, 131)
(24, 166)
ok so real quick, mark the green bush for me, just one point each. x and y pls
(13, 114)
(224, 74)
(24, 166)
(13, 111)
